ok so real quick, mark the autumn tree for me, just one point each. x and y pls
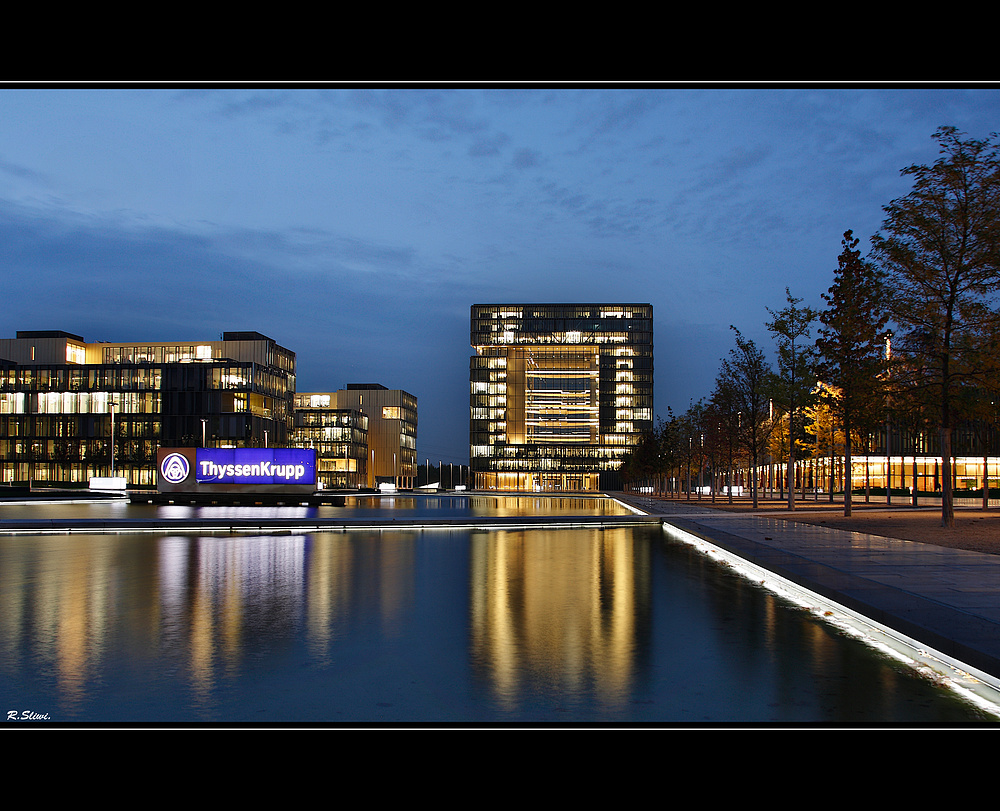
(791, 327)
(824, 442)
(851, 337)
(940, 246)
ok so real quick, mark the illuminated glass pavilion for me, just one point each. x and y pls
(559, 393)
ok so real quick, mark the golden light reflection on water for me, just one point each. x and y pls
(61, 623)
(554, 609)
(220, 595)
(511, 622)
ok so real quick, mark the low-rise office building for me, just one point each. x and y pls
(338, 435)
(72, 410)
(391, 453)
(559, 393)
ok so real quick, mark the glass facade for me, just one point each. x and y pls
(909, 464)
(339, 437)
(558, 393)
(66, 406)
(391, 430)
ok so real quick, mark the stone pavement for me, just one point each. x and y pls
(947, 599)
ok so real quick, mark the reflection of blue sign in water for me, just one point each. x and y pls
(174, 468)
(255, 466)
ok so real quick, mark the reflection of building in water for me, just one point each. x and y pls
(358, 574)
(559, 609)
(227, 595)
(559, 393)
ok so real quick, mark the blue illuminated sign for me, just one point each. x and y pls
(255, 466)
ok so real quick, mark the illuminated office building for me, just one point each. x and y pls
(391, 416)
(66, 403)
(559, 393)
(338, 435)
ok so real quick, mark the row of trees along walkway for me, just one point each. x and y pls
(910, 334)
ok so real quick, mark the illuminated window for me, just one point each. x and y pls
(390, 412)
(75, 354)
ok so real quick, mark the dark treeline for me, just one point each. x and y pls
(907, 343)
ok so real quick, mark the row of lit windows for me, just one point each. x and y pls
(68, 378)
(340, 464)
(142, 378)
(337, 417)
(140, 473)
(63, 427)
(553, 464)
(77, 450)
(158, 354)
(330, 434)
(96, 402)
(562, 311)
(335, 450)
(588, 451)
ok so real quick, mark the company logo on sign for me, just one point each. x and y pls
(256, 466)
(174, 468)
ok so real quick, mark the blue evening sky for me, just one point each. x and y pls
(356, 226)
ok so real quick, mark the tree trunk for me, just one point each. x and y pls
(847, 472)
(790, 476)
(947, 493)
(986, 479)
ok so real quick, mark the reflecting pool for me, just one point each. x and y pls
(539, 626)
(402, 506)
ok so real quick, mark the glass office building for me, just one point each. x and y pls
(72, 410)
(390, 426)
(559, 393)
(338, 435)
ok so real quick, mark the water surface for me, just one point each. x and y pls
(401, 506)
(616, 625)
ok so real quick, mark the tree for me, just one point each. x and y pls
(746, 374)
(727, 413)
(668, 443)
(827, 442)
(640, 462)
(795, 378)
(941, 251)
(850, 346)
(715, 441)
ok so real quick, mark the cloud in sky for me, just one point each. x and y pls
(357, 226)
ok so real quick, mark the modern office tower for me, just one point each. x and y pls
(65, 402)
(559, 393)
(392, 429)
(338, 435)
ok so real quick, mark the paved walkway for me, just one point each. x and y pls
(947, 599)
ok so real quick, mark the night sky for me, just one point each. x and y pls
(356, 226)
